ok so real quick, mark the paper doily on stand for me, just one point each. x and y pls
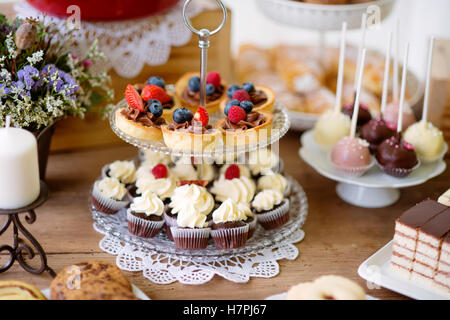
(161, 263)
(130, 44)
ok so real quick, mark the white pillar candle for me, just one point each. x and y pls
(19, 168)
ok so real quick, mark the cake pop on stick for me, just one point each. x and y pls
(390, 115)
(351, 155)
(424, 136)
(364, 114)
(333, 125)
(395, 156)
(376, 130)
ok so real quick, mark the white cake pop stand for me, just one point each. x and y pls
(372, 190)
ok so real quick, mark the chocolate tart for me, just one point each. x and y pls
(136, 129)
(248, 136)
(181, 99)
(183, 140)
(266, 105)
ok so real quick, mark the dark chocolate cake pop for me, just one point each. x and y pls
(364, 115)
(375, 132)
(396, 157)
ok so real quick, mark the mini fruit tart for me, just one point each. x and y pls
(262, 97)
(191, 132)
(244, 126)
(139, 120)
(187, 91)
(156, 89)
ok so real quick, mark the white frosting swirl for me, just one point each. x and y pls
(112, 188)
(151, 158)
(238, 189)
(125, 171)
(262, 161)
(163, 187)
(184, 171)
(274, 181)
(266, 200)
(205, 172)
(245, 208)
(192, 204)
(228, 212)
(148, 204)
(243, 170)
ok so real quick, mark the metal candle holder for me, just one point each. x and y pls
(203, 44)
(19, 250)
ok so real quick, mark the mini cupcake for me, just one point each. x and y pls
(109, 195)
(264, 160)
(124, 171)
(157, 180)
(231, 185)
(229, 229)
(243, 170)
(152, 158)
(271, 209)
(274, 181)
(191, 204)
(145, 215)
(251, 218)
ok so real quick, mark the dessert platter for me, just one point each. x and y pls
(205, 191)
(372, 158)
(417, 261)
(323, 15)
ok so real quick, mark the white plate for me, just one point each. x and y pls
(137, 292)
(282, 296)
(376, 270)
(321, 16)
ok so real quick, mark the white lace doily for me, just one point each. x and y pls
(161, 263)
(130, 44)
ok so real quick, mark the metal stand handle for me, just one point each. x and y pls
(203, 44)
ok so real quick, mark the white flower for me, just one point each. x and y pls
(11, 46)
(35, 57)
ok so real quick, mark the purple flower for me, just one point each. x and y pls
(26, 76)
(4, 90)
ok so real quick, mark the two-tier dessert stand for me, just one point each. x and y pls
(158, 258)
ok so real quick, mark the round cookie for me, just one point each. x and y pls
(327, 288)
(91, 280)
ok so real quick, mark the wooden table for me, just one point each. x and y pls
(338, 238)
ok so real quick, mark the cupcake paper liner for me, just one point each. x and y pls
(190, 239)
(170, 222)
(143, 228)
(352, 171)
(106, 205)
(398, 172)
(229, 238)
(275, 218)
(252, 227)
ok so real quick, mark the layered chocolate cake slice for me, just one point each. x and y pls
(429, 243)
(406, 234)
(442, 274)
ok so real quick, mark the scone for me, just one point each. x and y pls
(262, 97)
(91, 280)
(19, 290)
(243, 126)
(139, 120)
(187, 91)
(189, 132)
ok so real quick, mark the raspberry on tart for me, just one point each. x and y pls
(187, 91)
(242, 124)
(261, 97)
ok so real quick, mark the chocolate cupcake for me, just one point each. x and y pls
(191, 204)
(251, 218)
(229, 229)
(145, 215)
(274, 181)
(124, 171)
(109, 195)
(396, 157)
(271, 208)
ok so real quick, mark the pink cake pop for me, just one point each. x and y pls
(391, 116)
(351, 155)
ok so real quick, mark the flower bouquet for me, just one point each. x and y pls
(42, 82)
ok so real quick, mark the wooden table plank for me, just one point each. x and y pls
(338, 238)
